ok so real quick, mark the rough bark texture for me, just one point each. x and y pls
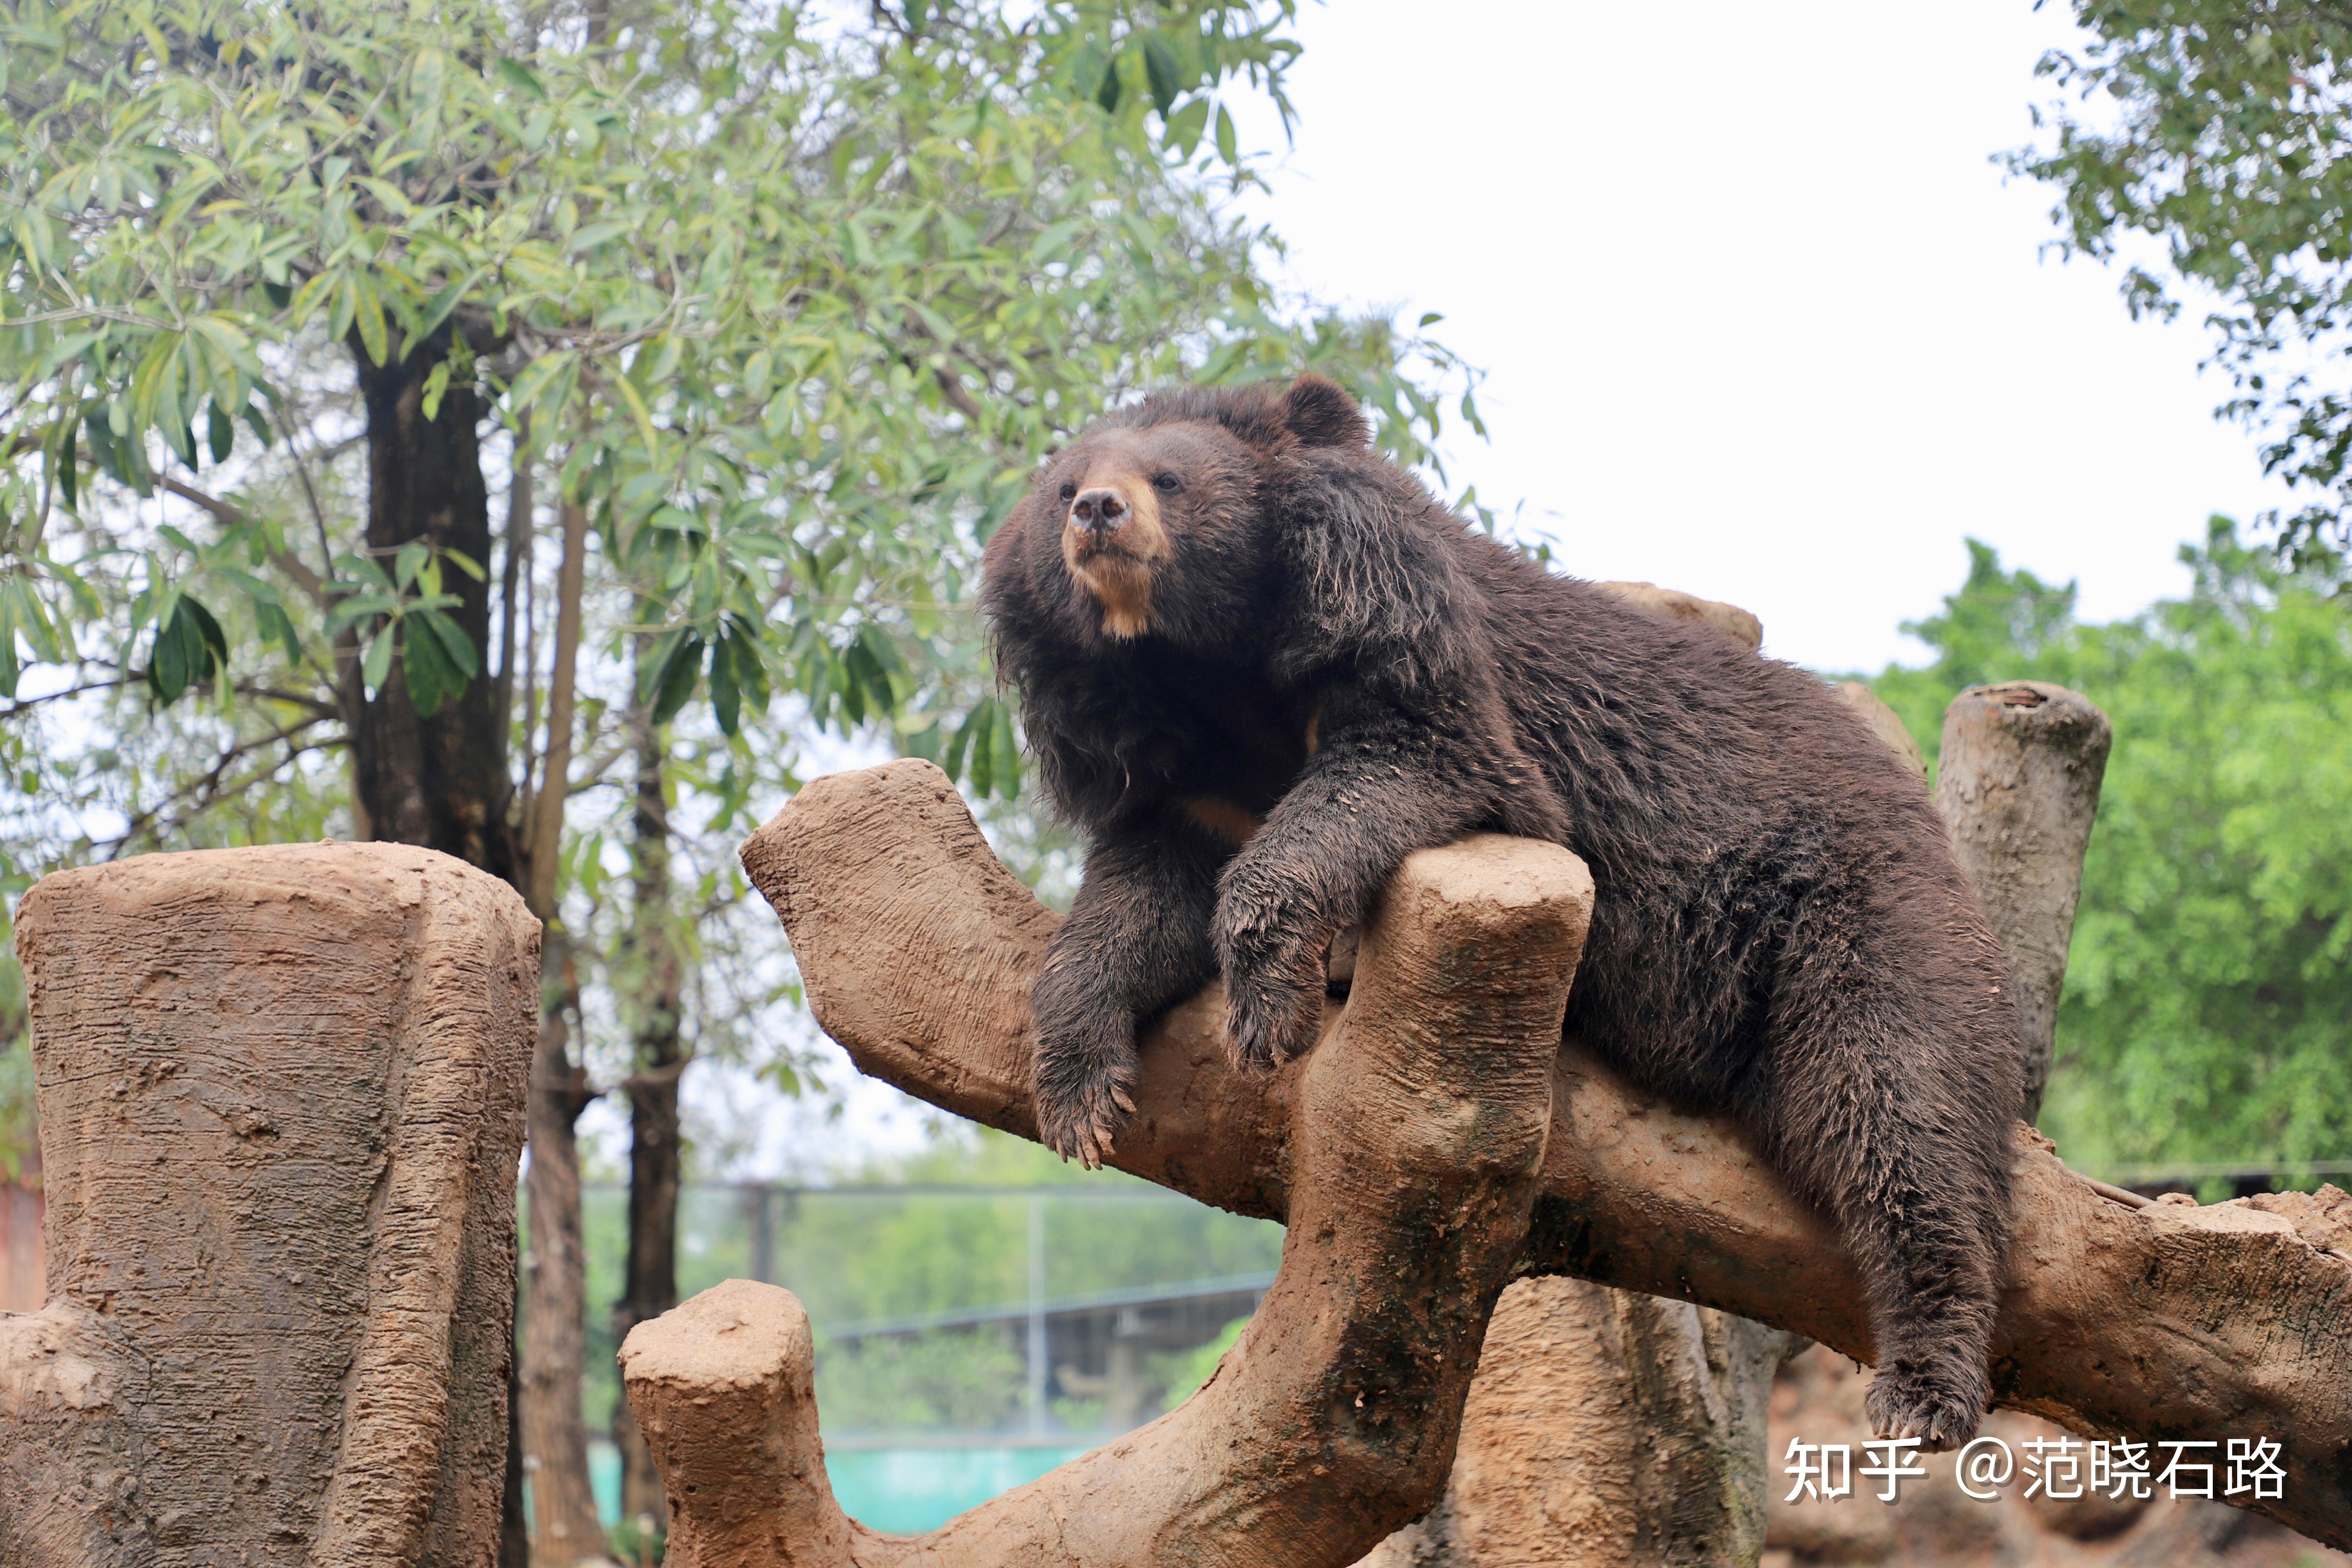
(916, 946)
(1413, 1136)
(2017, 780)
(281, 1103)
(23, 1284)
(441, 781)
(1604, 1426)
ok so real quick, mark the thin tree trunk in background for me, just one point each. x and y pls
(556, 1284)
(649, 1286)
(514, 1538)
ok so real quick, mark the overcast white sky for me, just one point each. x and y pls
(1761, 320)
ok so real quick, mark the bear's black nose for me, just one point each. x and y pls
(1099, 511)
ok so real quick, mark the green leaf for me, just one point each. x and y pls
(1184, 130)
(437, 309)
(436, 384)
(368, 311)
(677, 677)
(375, 666)
(271, 619)
(1228, 143)
(1108, 93)
(520, 77)
(456, 646)
(188, 649)
(1160, 69)
(68, 469)
(221, 432)
(431, 681)
(726, 699)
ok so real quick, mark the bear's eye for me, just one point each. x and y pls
(1169, 483)
(1068, 491)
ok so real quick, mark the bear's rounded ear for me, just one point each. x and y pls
(1320, 413)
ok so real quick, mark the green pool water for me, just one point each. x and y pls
(901, 1490)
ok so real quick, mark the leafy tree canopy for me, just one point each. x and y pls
(2210, 975)
(782, 303)
(785, 300)
(2216, 130)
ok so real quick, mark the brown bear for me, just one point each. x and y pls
(1259, 665)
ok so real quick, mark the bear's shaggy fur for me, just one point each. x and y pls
(1260, 666)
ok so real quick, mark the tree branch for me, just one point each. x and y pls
(917, 948)
(296, 569)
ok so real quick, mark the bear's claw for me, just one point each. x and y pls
(1077, 1122)
(1266, 1024)
(1939, 1405)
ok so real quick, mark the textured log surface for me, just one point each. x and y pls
(280, 1110)
(1414, 1140)
(1604, 1426)
(916, 946)
(2018, 779)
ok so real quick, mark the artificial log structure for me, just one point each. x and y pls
(1411, 1140)
(280, 1110)
(1607, 1427)
(2018, 781)
(916, 947)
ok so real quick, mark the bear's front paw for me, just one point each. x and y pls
(1076, 1117)
(1084, 1071)
(1270, 951)
(1269, 1020)
(1938, 1403)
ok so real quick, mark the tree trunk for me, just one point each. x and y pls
(440, 782)
(657, 1146)
(281, 1103)
(555, 1316)
(555, 1433)
(2018, 781)
(917, 949)
(1415, 1136)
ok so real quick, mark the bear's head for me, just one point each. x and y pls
(1154, 522)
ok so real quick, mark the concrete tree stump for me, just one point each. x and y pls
(280, 1108)
(2017, 780)
(1605, 1427)
(1416, 1131)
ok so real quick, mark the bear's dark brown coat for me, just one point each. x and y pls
(1260, 666)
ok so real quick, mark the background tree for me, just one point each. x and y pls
(760, 323)
(2212, 132)
(2211, 966)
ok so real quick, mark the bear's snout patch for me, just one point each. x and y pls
(1111, 538)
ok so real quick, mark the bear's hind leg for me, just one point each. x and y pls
(1137, 939)
(1904, 1140)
